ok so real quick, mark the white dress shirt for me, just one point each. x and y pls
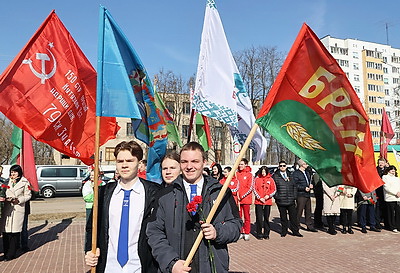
(136, 211)
(198, 190)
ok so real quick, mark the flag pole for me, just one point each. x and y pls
(99, 87)
(192, 114)
(21, 151)
(222, 193)
(95, 208)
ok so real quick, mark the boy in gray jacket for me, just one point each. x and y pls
(173, 229)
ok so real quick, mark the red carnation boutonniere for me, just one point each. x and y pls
(3, 190)
(193, 207)
(371, 201)
(194, 204)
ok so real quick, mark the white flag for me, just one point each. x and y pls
(397, 157)
(219, 92)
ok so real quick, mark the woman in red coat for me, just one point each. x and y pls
(264, 189)
(233, 185)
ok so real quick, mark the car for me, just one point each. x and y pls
(53, 179)
(106, 173)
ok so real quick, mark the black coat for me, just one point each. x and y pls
(147, 261)
(301, 183)
(171, 222)
(286, 191)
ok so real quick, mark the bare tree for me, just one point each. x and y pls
(259, 67)
(5, 140)
(174, 91)
(43, 152)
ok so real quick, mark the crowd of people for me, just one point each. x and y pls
(144, 226)
(292, 191)
(167, 218)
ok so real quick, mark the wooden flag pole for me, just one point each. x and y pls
(21, 151)
(221, 193)
(95, 208)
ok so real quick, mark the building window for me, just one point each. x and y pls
(110, 153)
(355, 55)
(344, 63)
(129, 129)
(218, 155)
(218, 132)
(355, 66)
(186, 108)
(170, 106)
(395, 59)
(185, 131)
(375, 134)
(356, 78)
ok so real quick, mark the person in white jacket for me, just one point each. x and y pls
(346, 198)
(391, 191)
(17, 194)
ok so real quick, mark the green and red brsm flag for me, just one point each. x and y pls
(314, 111)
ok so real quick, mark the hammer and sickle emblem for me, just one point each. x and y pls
(44, 58)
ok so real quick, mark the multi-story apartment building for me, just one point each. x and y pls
(374, 72)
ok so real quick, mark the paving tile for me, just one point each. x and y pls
(58, 247)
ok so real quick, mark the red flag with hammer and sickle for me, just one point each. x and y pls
(49, 91)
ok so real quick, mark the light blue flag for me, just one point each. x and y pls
(126, 91)
(115, 97)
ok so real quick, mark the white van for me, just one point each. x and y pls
(54, 179)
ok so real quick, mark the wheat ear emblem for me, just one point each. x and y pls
(298, 133)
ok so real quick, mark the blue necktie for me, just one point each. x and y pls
(193, 193)
(122, 254)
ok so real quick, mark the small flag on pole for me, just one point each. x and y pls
(386, 134)
(203, 131)
(23, 155)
